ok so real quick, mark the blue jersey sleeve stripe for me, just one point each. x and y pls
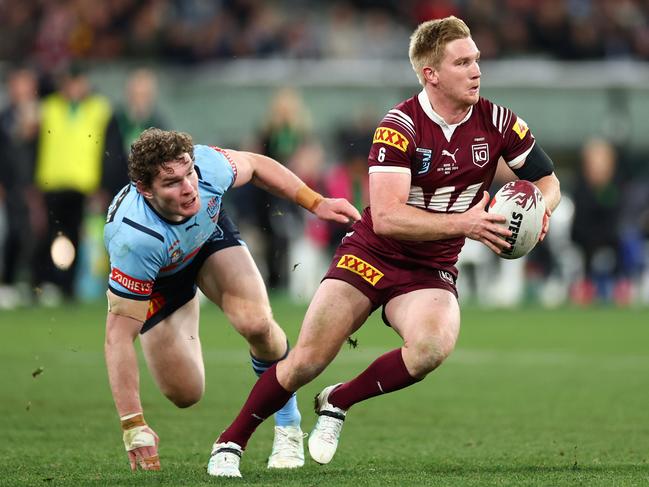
(144, 229)
(122, 294)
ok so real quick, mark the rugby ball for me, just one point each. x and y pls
(523, 205)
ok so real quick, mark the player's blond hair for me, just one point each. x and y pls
(152, 149)
(428, 41)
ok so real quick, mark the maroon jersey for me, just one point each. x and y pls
(449, 165)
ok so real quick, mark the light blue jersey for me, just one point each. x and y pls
(144, 246)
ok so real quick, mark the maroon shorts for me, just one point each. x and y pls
(381, 277)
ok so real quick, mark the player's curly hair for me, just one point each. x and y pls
(428, 41)
(152, 149)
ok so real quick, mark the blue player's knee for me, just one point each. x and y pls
(185, 397)
(256, 328)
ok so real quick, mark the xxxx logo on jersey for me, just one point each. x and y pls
(520, 127)
(391, 137)
(358, 266)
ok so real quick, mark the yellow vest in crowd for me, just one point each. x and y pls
(71, 143)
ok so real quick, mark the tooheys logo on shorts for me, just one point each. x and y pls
(358, 266)
(134, 285)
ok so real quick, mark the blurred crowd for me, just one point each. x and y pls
(51, 32)
(63, 156)
(63, 146)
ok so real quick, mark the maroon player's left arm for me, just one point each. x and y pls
(551, 188)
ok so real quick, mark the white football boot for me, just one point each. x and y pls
(288, 448)
(224, 460)
(323, 440)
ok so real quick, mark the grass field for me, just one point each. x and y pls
(529, 397)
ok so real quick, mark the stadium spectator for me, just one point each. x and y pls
(348, 178)
(18, 134)
(432, 159)
(166, 234)
(139, 111)
(597, 200)
(286, 127)
(79, 160)
(308, 254)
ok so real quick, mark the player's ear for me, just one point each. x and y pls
(430, 75)
(143, 190)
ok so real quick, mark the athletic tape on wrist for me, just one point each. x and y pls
(307, 198)
(132, 420)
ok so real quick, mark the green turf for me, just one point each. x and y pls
(529, 397)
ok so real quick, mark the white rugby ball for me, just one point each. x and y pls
(523, 205)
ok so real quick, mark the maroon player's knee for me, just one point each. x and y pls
(300, 370)
(427, 354)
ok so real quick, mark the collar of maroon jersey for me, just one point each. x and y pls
(427, 107)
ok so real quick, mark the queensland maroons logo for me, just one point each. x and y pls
(480, 154)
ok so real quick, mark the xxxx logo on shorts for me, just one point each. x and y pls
(391, 137)
(156, 303)
(358, 266)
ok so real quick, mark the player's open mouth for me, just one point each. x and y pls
(190, 203)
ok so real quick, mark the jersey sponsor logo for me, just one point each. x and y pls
(480, 154)
(448, 165)
(176, 256)
(451, 154)
(520, 127)
(134, 285)
(195, 224)
(426, 156)
(384, 135)
(447, 276)
(358, 266)
(175, 252)
(213, 206)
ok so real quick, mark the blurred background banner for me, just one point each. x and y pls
(307, 83)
